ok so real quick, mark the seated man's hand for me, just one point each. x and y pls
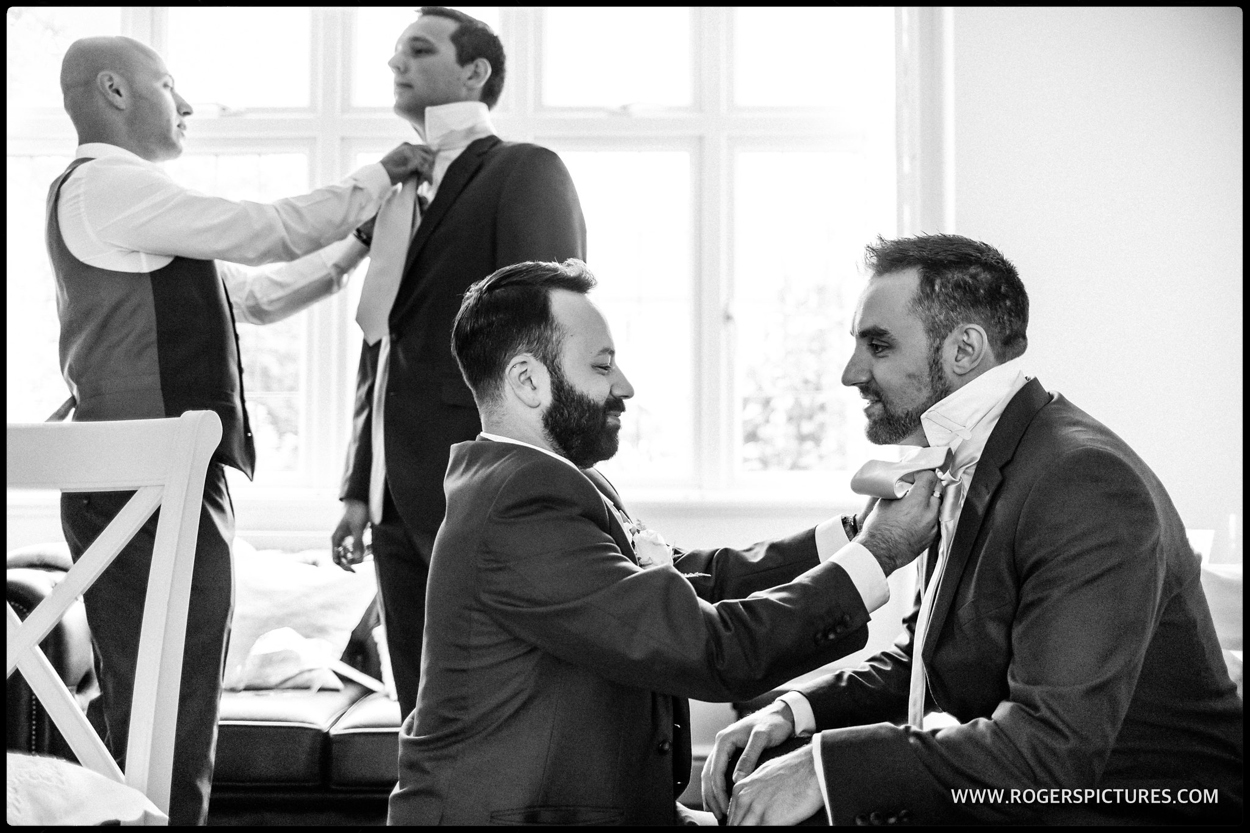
(896, 531)
(348, 539)
(752, 734)
(782, 791)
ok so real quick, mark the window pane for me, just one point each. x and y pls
(240, 57)
(273, 355)
(36, 43)
(377, 30)
(615, 57)
(640, 249)
(35, 387)
(844, 56)
(797, 279)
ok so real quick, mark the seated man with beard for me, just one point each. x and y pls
(561, 638)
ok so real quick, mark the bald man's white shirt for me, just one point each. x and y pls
(123, 213)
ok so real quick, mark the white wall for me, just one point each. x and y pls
(1101, 151)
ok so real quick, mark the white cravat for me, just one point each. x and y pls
(392, 232)
(387, 250)
(953, 489)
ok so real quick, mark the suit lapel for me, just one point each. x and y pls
(454, 181)
(610, 496)
(999, 449)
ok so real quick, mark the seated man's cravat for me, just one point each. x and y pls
(952, 497)
(890, 481)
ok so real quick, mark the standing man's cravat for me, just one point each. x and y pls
(952, 497)
(392, 232)
(389, 247)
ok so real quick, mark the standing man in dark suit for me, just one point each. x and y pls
(491, 203)
(1062, 621)
(557, 660)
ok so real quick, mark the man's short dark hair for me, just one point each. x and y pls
(473, 39)
(509, 313)
(961, 281)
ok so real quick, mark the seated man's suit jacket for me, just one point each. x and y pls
(1070, 637)
(555, 668)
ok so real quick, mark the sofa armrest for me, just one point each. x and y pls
(68, 647)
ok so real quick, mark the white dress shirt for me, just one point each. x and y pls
(123, 213)
(964, 421)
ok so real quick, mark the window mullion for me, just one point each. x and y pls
(325, 381)
(714, 361)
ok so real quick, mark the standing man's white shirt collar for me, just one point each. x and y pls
(449, 129)
(443, 120)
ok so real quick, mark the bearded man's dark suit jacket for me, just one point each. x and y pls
(499, 203)
(555, 668)
(1070, 637)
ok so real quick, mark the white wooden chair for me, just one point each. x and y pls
(165, 460)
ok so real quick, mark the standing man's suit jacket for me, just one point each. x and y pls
(499, 203)
(555, 667)
(1070, 637)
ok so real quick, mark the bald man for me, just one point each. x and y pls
(151, 277)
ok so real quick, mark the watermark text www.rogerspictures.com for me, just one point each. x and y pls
(1087, 795)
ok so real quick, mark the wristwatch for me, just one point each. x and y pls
(850, 525)
(360, 235)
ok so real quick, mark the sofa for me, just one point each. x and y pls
(298, 742)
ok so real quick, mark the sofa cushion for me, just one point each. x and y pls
(278, 736)
(364, 744)
(275, 589)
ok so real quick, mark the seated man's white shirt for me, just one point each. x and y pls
(125, 214)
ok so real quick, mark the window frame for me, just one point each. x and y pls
(332, 131)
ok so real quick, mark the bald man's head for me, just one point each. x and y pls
(117, 90)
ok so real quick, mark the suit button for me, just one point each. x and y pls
(838, 629)
(904, 815)
(874, 818)
(861, 820)
(846, 620)
(891, 819)
(665, 746)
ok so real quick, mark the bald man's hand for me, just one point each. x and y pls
(408, 160)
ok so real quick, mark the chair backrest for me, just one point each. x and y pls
(165, 461)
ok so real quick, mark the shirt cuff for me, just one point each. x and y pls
(804, 719)
(374, 178)
(860, 564)
(820, 777)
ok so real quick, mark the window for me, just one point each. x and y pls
(731, 162)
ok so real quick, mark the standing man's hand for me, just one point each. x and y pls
(408, 160)
(896, 531)
(348, 539)
(783, 791)
(753, 734)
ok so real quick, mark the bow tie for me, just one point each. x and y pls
(878, 478)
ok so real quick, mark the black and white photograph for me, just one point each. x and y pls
(700, 416)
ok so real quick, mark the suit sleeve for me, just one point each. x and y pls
(1089, 584)
(552, 576)
(540, 216)
(355, 484)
